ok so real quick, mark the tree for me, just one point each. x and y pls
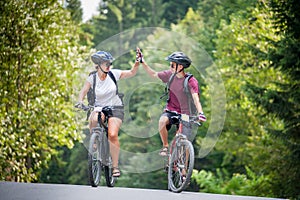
(74, 7)
(258, 98)
(283, 101)
(213, 12)
(38, 51)
(176, 10)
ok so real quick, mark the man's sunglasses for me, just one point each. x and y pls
(172, 65)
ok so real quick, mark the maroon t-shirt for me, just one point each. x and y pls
(178, 100)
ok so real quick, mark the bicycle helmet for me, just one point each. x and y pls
(180, 58)
(101, 56)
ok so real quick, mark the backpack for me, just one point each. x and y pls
(91, 96)
(186, 88)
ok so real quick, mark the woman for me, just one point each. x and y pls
(106, 95)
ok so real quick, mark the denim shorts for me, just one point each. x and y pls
(116, 111)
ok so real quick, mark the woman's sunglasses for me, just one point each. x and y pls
(108, 64)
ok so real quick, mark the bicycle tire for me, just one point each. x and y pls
(94, 164)
(108, 170)
(110, 180)
(181, 160)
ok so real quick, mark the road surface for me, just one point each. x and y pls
(37, 191)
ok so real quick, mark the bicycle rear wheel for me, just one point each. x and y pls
(94, 164)
(181, 166)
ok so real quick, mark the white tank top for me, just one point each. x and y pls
(106, 90)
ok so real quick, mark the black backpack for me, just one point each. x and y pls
(91, 96)
(186, 88)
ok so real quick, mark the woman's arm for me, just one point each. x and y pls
(130, 73)
(84, 91)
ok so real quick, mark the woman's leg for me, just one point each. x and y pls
(114, 125)
(93, 120)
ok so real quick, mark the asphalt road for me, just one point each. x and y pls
(36, 191)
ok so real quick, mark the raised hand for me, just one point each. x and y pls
(139, 55)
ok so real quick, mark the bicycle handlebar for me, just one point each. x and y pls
(193, 119)
(82, 106)
(88, 107)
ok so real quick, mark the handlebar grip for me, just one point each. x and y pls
(85, 108)
(82, 106)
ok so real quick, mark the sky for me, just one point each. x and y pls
(89, 8)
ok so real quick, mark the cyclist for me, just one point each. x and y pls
(105, 93)
(178, 100)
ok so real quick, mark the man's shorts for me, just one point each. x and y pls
(186, 128)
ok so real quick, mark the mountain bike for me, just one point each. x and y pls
(181, 154)
(99, 157)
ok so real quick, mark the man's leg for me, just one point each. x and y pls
(163, 122)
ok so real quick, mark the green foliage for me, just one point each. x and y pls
(55, 172)
(117, 16)
(173, 13)
(38, 51)
(221, 182)
(74, 7)
(243, 49)
(212, 13)
(283, 100)
(68, 166)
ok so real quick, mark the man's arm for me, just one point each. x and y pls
(197, 102)
(198, 105)
(150, 71)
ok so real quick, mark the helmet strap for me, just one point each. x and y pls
(102, 70)
(177, 68)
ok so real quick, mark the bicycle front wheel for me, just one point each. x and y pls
(108, 170)
(110, 180)
(181, 166)
(94, 164)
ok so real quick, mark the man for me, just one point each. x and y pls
(178, 100)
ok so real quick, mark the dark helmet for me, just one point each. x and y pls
(101, 56)
(180, 58)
